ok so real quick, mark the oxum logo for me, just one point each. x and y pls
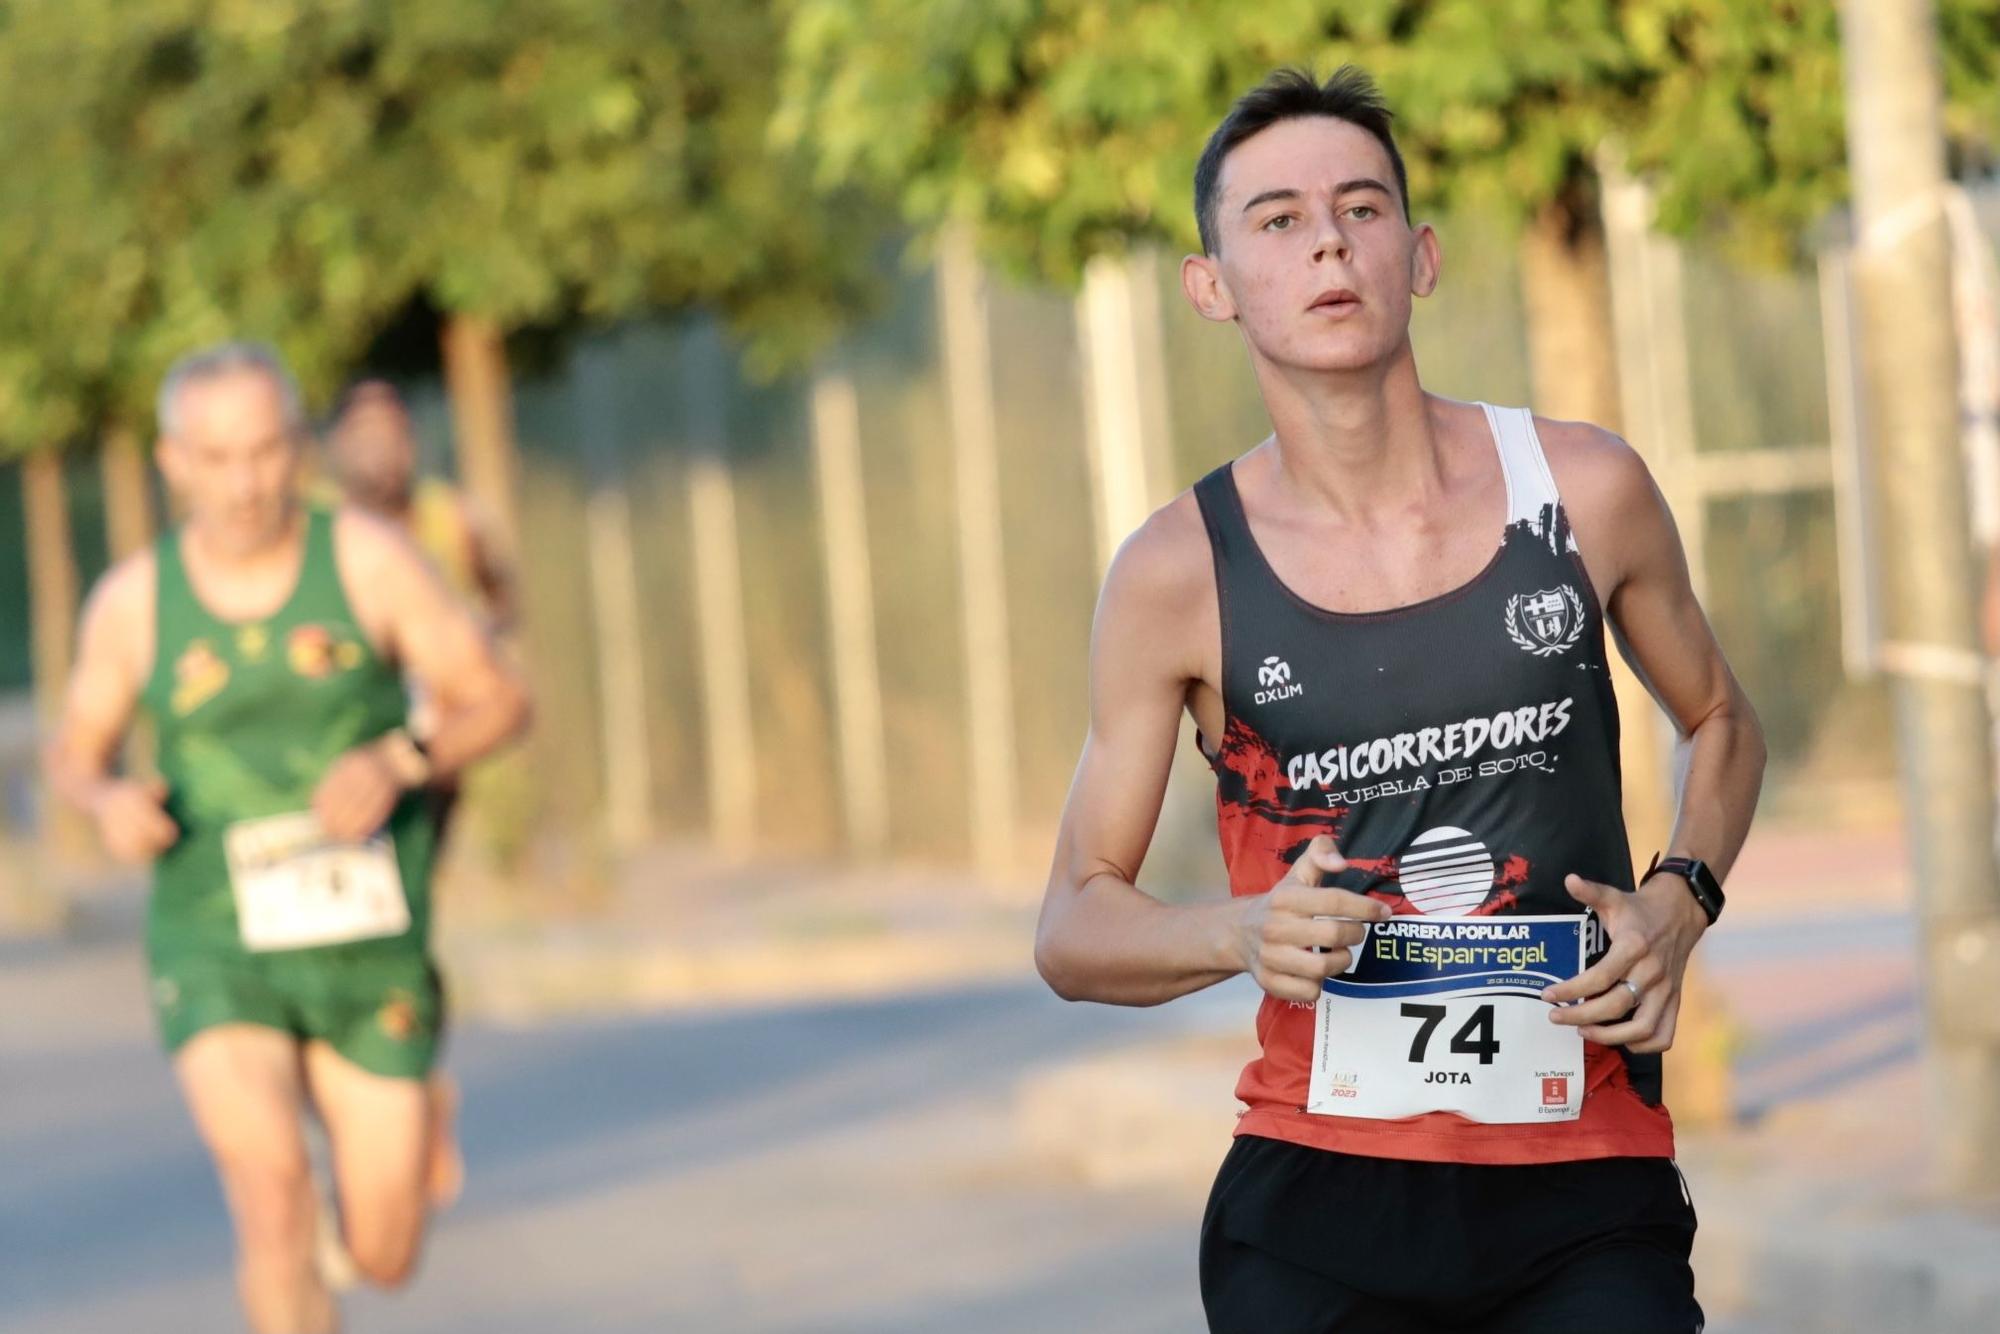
(1275, 676)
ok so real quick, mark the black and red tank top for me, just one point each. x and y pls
(1463, 754)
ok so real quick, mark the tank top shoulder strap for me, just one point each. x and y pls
(319, 595)
(1532, 498)
(1222, 514)
(1245, 586)
(176, 610)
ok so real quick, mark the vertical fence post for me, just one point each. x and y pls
(989, 689)
(718, 584)
(850, 602)
(1125, 387)
(614, 601)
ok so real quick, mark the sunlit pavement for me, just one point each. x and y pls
(841, 1167)
(851, 1167)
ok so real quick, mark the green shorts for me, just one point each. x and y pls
(384, 1013)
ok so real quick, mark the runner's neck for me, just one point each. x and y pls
(226, 584)
(1357, 447)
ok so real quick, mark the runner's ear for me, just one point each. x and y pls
(1426, 261)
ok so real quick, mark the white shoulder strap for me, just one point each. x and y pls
(1531, 489)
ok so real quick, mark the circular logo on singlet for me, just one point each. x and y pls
(1445, 870)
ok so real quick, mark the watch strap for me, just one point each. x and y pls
(1694, 873)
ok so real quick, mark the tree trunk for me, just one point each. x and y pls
(1573, 355)
(1573, 352)
(128, 524)
(128, 503)
(52, 597)
(1566, 288)
(52, 577)
(482, 418)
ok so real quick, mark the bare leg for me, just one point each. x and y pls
(380, 1130)
(246, 1090)
(445, 1174)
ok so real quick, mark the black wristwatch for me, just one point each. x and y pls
(1701, 881)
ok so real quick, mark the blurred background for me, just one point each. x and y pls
(809, 359)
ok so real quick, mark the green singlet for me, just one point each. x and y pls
(249, 717)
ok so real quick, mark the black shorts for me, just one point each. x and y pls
(1304, 1241)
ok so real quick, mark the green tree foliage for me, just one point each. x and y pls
(301, 170)
(1067, 127)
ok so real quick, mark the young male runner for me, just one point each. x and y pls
(291, 856)
(372, 453)
(1387, 621)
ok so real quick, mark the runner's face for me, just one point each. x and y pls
(1316, 264)
(234, 464)
(374, 454)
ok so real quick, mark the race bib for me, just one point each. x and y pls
(1444, 1014)
(295, 887)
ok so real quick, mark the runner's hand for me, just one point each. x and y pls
(1280, 930)
(132, 821)
(357, 794)
(1652, 933)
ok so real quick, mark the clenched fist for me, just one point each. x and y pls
(132, 821)
(1299, 934)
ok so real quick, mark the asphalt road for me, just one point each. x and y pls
(848, 1166)
(844, 1166)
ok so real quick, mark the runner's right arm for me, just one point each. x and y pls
(1103, 938)
(102, 695)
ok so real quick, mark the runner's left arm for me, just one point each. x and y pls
(1626, 531)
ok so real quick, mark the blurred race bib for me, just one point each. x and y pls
(1444, 1014)
(297, 888)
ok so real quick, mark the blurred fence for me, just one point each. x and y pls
(747, 603)
(1751, 476)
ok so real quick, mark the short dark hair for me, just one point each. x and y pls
(371, 389)
(1289, 94)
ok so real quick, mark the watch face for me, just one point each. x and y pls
(1707, 889)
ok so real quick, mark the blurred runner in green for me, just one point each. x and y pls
(288, 927)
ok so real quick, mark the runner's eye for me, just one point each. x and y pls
(1362, 212)
(1281, 223)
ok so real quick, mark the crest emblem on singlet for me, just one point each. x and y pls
(199, 676)
(1545, 623)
